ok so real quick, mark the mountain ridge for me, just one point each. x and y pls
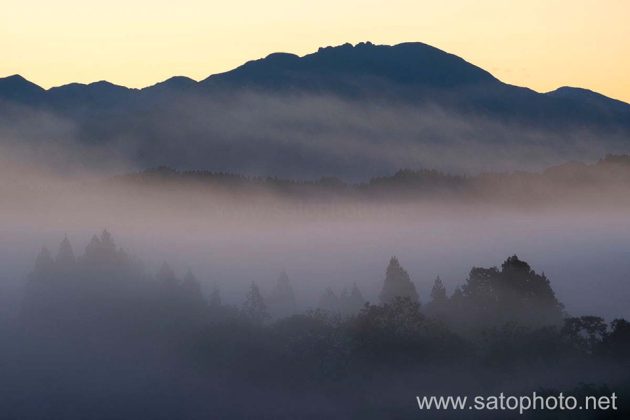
(410, 73)
(347, 109)
(274, 59)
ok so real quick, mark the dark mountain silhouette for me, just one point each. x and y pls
(584, 100)
(97, 94)
(175, 83)
(411, 71)
(590, 97)
(18, 89)
(181, 122)
(348, 68)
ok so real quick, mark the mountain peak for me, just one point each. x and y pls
(281, 56)
(101, 93)
(17, 88)
(14, 78)
(584, 97)
(578, 92)
(409, 73)
(342, 67)
(99, 85)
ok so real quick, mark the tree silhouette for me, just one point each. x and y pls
(438, 292)
(254, 307)
(166, 277)
(617, 342)
(65, 255)
(438, 305)
(44, 266)
(102, 250)
(329, 301)
(357, 301)
(351, 302)
(282, 298)
(585, 332)
(514, 293)
(397, 284)
(190, 287)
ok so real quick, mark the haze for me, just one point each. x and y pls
(230, 238)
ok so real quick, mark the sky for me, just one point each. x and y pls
(541, 44)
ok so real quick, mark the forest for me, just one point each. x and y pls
(100, 335)
(604, 180)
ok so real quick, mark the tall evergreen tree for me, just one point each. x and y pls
(282, 299)
(92, 250)
(351, 302)
(254, 307)
(357, 299)
(191, 289)
(167, 279)
(65, 255)
(344, 301)
(329, 301)
(397, 284)
(107, 242)
(438, 292)
(44, 266)
(438, 305)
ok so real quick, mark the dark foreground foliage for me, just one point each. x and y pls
(99, 338)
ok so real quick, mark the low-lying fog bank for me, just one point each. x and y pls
(569, 221)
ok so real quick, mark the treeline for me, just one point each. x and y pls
(85, 316)
(562, 181)
(106, 288)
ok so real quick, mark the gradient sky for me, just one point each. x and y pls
(542, 44)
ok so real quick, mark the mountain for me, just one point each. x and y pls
(348, 67)
(586, 100)
(175, 83)
(100, 94)
(18, 89)
(344, 109)
(410, 72)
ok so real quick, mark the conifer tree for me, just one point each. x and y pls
(438, 292)
(191, 289)
(357, 302)
(44, 266)
(107, 242)
(329, 301)
(65, 255)
(397, 284)
(254, 307)
(166, 277)
(282, 299)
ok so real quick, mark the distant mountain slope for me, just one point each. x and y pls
(410, 72)
(94, 94)
(350, 109)
(410, 64)
(588, 101)
(18, 89)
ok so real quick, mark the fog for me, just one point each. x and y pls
(79, 340)
(292, 135)
(231, 238)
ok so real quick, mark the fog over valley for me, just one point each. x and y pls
(324, 236)
(232, 230)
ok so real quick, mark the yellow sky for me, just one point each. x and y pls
(542, 44)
